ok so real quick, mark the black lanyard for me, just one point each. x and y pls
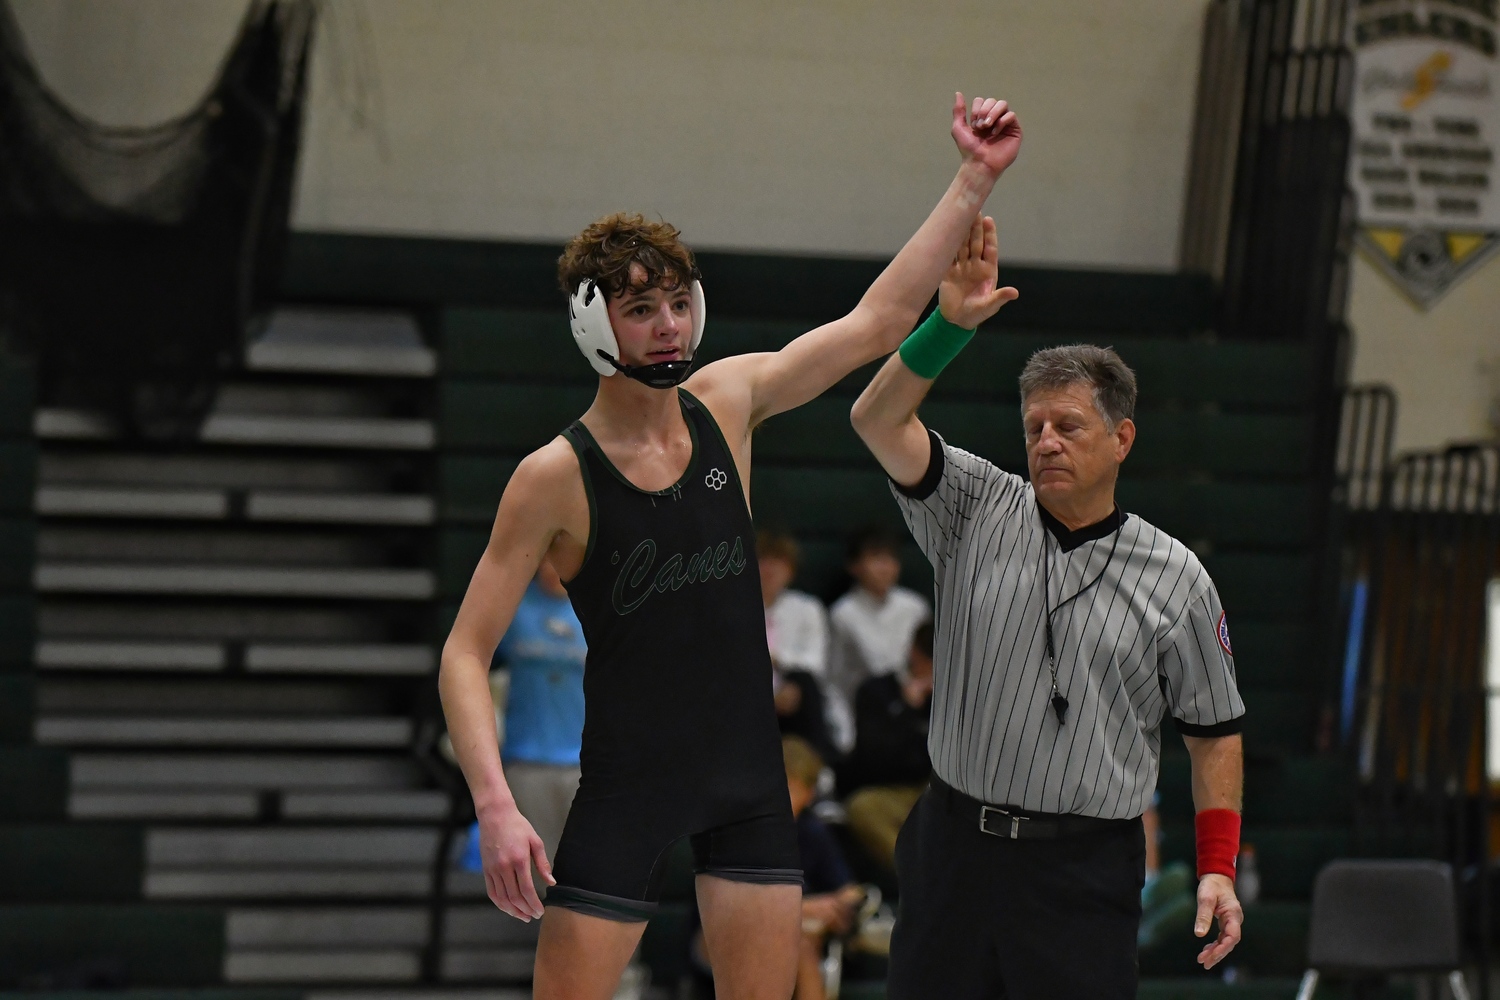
(1059, 703)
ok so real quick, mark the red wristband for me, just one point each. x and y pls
(1218, 833)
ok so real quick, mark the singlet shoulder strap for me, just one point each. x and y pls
(579, 437)
(699, 414)
(583, 442)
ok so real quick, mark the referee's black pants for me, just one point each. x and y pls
(986, 917)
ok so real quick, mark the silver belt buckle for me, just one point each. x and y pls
(1015, 822)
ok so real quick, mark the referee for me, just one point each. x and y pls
(1067, 632)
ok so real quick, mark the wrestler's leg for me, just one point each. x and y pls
(753, 933)
(581, 957)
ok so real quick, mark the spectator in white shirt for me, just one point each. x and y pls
(797, 633)
(796, 623)
(874, 622)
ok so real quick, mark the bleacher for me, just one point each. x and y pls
(232, 649)
(228, 648)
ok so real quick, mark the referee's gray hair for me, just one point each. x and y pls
(1100, 367)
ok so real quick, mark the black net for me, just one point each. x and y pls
(132, 259)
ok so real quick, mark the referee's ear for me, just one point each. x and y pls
(1124, 438)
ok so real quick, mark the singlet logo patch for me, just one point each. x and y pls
(1223, 631)
(636, 582)
(715, 479)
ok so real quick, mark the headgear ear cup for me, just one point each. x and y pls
(588, 316)
(700, 314)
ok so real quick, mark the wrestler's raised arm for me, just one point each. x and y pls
(753, 387)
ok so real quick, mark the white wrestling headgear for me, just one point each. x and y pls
(588, 315)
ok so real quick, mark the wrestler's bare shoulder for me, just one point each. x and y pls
(725, 387)
(548, 482)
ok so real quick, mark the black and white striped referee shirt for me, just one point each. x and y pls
(1147, 640)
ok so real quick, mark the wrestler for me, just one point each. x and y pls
(642, 506)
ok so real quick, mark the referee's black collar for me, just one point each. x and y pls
(1069, 540)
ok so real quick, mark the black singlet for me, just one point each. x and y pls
(679, 736)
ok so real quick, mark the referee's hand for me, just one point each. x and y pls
(1216, 898)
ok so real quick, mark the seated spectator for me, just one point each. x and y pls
(797, 634)
(873, 623)
(542, 653)
(830, 898)
(889, 765)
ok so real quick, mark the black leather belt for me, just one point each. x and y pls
(1011, 823)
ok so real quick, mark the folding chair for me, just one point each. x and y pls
(1378, 918)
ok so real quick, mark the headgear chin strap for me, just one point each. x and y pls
(588, 315)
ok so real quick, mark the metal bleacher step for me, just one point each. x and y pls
(244, 772)
(460, 964)
(290, 863)
(288, 507)
(242, 580)
(318, 965)
(229, 641)
(198, 804)
(483, 943)
(212, 470)
(309, 788)
(87, 619)
(327, 943)
(61, 424)
(289, 944)
(224, 731)
(162, 805)
(368, 659)
(329, 847)
(421, 804)
(349, 658)
(114, 501)
(66, 654)
(460, 884)
(320, 416)
(326, 927)
(340, 508)
(319, 432)
(235, 697)
(232, 427)
(344, 342)
(284, 882)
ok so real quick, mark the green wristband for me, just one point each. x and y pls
(933, 344)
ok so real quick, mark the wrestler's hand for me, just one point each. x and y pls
(1216, 898)
(968, 296)
(989, 136)
(507, 846)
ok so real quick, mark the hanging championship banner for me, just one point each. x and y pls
(1426, 124)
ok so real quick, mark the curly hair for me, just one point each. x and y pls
(604, 251)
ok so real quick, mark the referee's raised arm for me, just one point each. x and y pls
(885, 414)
